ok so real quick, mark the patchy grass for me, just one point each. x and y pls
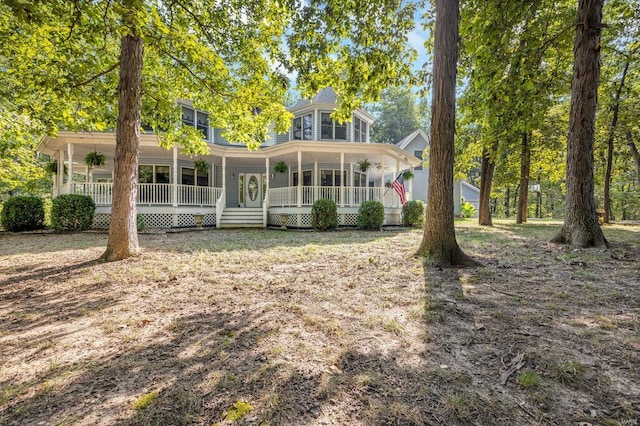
(269, 327)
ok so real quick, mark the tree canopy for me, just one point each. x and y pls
(398, 115)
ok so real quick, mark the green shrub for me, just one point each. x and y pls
(413, 213)
(467, 210)
(370, 215)
(324, 215)
(72, 212)
(22, 213)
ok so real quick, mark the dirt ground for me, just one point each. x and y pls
(270, 327)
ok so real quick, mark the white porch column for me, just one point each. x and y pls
(351, 185)
(299, 178)
(224, 183)
(86, 174)
(266, 167)
(175, 176)
(60, 172)
(315, 180)
(265, 196)
(410, 197)
(342, 179)
(69, 167)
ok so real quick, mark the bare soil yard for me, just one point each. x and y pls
(269, 327)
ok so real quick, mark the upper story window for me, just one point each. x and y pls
(330, 129)
(418, 154)
(359, 130)
(198, 119)
(303, 127)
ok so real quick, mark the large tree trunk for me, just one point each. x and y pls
(439, 243)
(581, 226)
(525, 166)
(486, 178)
(123, 236)
(610, 139)
(634, 152)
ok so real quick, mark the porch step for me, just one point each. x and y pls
(241, 218)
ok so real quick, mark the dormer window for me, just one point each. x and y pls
(188, 116)
(203, 124)
(359, 130)
(303, 127)
(197, 119)
(330, 129)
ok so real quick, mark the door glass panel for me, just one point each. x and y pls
(252, 188)
(241, 189)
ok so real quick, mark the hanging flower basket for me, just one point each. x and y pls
(201, 166)
(94, 159)
(281, 167)
(51, 167)
(364, 165)
(407, 175)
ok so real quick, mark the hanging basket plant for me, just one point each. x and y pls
(281, 167)
(201, 166)
(51, 167)
(407, 175)
(94, 159)
(364, 165)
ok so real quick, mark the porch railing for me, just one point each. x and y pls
(347, 196)
(151, 193)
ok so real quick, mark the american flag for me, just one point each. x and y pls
(398, 186)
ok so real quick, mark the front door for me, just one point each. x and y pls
(252, 190)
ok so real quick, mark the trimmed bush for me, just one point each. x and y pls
(324, 215)
(72, 212)
(371, 215)
(413, 213)
(22, 213)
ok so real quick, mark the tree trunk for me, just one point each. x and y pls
(610, 140)
(486, 178)
(525, 166)
(507, 201)
(634, 152)
(581, 226)
(123, 236)
(439, 243)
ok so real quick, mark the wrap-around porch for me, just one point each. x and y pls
(238, 182)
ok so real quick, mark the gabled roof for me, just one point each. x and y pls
(406, 141)
(326, 98)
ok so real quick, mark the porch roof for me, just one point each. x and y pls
(379, 155)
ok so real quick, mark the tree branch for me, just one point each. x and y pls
(92, 78)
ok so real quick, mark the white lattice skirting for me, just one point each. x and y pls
(158, 220)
